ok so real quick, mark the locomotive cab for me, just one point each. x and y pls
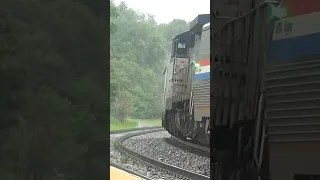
(175, 82)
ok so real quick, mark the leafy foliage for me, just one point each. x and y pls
(54, 105)
(138, 52)
(54, 97)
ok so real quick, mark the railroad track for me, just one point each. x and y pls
(130, 131)
(134, 129)
(160, 166)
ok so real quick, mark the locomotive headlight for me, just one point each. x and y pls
(196, 65)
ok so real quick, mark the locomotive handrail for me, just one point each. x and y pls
(184, 67)
(248, 14)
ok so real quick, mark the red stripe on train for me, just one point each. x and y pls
(204, 62)
(300, 7)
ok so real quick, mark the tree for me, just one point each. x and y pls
(53, 87)
(122, 105)
(53, 81)
(139, 50)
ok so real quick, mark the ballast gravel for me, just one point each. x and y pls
(153, 145)
(131, 164)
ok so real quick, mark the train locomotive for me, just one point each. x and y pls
(187, 84)
(265, 120)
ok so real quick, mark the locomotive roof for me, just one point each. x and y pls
(183, 36)
(197, 24)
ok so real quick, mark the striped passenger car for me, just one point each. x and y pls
(292, 89)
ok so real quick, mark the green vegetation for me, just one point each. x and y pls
(117, 125)
(154, 122)
(55, 96)
(140, 49)
(132, 123)
(54, 104)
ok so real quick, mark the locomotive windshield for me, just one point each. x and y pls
(181, 45)
(179, 49)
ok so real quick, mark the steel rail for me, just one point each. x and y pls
(134, 129)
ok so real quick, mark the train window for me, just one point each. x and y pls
(278, 27)
(181, 45)
(182, 49)
(288, 26)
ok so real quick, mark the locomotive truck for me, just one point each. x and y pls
(187, 84)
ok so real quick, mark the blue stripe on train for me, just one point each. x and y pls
(295, 49)
(202, 76)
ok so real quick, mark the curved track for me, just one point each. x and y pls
(131, 131)
(134, 129)
(176, 171)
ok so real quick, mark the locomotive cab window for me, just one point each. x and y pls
(181, 45)
(181, 49)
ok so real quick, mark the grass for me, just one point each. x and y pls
(154, 122)
(117, 125)
(131, 123)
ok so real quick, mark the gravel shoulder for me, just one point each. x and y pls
(133, 165)
(153, 145)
